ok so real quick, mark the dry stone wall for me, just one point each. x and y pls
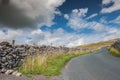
(12, 56)
(116, 45)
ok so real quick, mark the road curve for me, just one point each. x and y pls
(98, 66)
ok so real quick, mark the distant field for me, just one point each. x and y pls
(98, 44)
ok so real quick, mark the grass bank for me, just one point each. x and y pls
(48, 65)
(114, 52)
(98, 44)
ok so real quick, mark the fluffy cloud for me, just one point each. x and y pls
(75, 18)
(58, 37)
(43, 16)
(61, 38)
(28, 13)
(10, 35)
(77, 21)
(112, 8)
(79, 12)
(66, 16)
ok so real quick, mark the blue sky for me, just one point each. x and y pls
(94, 8)
(62, 23)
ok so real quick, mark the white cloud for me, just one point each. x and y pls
(79, 12)
(11, 35)
(112, 8)
(92, 16)
(75, 19)
(116, 21)
(97, 26)
(77, 22)
(35, 32)
(112, 33)
(66, 16)
(58, 37)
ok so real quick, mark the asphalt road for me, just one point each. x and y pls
(98, 66)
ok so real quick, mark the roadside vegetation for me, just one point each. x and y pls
(114, 52)
(48, 65)
(52, 64)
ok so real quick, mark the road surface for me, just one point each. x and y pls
(98, 66)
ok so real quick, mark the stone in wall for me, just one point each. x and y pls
(116, 45)
(13, 56)
(10, 57)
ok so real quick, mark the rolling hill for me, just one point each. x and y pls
(98, 44)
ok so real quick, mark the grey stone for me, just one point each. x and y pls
(18, 74)
(8, 72)
(14, 73)
(3, 59)
(3, 70)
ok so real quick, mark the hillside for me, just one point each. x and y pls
(98, 44)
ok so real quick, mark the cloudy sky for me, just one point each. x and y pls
(60, 22)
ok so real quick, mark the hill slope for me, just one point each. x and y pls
(98, 44)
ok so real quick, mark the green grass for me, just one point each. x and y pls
(114, 52)
(47, 65)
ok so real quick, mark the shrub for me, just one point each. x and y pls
(114, 52)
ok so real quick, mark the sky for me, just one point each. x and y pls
(59, 22)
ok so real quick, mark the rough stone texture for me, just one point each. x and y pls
(9, 72)
(116, 45)
(12, 56)
(18, 74)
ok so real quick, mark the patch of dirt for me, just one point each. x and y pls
(37, 77)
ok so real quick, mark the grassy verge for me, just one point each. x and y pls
(114, 52)
(48, 65)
